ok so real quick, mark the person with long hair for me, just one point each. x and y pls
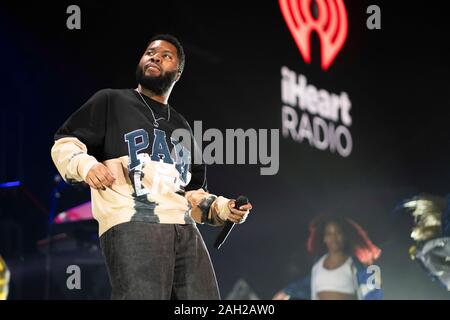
(345, 251)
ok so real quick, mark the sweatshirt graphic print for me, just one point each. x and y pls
(155, 180)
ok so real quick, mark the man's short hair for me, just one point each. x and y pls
(173, 40)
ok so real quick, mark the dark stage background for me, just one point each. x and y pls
(396, 78)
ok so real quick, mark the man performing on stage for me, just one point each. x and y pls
(147, 196)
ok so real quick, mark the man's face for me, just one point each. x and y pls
(158, 68)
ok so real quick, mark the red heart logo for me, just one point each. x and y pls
(331, 26)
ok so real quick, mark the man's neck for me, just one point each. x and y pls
(337, 255)
(160, 98)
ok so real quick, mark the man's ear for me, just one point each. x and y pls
(178, 76)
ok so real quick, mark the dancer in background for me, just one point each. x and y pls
(340, 273)
(431, 232)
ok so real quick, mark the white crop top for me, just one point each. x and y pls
(337, 280)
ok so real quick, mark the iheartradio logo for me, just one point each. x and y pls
(331, 25)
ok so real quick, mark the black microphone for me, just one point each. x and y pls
(240, 201)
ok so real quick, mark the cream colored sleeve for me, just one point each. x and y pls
(71, 159)
(218, 211)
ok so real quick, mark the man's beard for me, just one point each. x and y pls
(159, 84)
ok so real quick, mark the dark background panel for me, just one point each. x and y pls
(396, 78)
